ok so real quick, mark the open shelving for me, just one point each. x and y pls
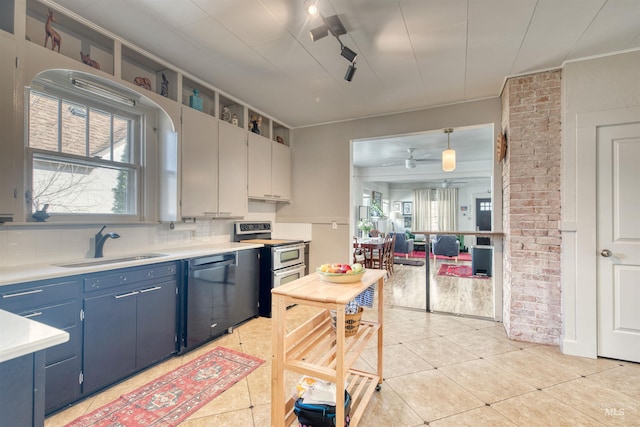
(76, 38)
(137, 67)
(282, 132)
(126, 62)
(207, 94)
(235, 108)
(317, 350)
(264, 123)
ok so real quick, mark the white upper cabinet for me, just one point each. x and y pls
(218, 170)
(199, 164)
(7, 126)
(269, 169)
(280, 171)
(232, 171)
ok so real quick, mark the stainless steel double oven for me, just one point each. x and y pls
(281, 261)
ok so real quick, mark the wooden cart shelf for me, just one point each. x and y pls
(317, 349)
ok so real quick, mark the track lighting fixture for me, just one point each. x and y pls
(319, 32)
(351, 70)
(332, 24)
(348, 53)
(310, 7)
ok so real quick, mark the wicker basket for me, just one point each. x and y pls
(351, 322)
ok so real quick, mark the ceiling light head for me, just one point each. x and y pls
(410, 163)
(351, 70)
(335, 25)
(319, 32)
(448, 155)
(310, 7)
(348, 54)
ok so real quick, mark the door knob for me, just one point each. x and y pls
(606, 253)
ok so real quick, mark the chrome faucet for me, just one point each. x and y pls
(100, 239)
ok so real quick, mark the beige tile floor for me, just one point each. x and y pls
(439, 370)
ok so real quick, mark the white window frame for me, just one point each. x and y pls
(137, 140)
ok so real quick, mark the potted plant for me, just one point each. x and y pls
(365, 227)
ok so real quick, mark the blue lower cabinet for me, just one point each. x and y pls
(129, 322)
(21, 391)
(54, 302)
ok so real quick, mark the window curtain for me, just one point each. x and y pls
(447, 203)
(421, 219)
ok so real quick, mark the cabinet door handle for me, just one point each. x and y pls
(34, 314)
(155, 288)
(129, 294)
(19, 294)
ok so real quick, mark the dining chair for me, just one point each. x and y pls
(358, 253)
(376, 233)
(377, 257)
(389, 243)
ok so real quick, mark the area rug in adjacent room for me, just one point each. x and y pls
(453, 270)
(171, 398)
(408, 261)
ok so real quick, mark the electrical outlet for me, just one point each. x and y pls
(334, 225)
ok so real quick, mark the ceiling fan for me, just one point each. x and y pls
(446, 183)
(411, 161)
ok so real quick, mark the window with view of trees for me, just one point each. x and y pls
(85, 156)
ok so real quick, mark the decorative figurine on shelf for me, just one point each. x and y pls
(41, 215)
(142, 82)
(234, 119)
(49, 32)
(195, 101)
(256, 122)
(226, 114)
(279, 140)
(164, 88)
(87, 60)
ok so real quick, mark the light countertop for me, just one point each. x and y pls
(50, 270)
(20, 336)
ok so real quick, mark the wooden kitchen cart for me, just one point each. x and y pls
(316, 350)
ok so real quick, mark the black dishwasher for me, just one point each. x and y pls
(218, 294)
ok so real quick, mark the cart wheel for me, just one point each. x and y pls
(378, 387)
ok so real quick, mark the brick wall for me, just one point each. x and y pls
(531, 210)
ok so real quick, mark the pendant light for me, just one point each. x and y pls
(448, 155)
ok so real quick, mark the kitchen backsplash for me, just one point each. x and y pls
(40, 243)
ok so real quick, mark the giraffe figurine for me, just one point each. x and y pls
(56, 40)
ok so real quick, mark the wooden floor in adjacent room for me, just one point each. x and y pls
(466, 296)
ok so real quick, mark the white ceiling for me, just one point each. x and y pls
(412, 53)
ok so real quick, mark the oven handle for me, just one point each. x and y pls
(279, 249)
(289, 270)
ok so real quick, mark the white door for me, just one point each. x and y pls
(618, 241)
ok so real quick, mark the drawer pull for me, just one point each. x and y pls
(19, 294)
(34, 314)
(129, 294)
(155, 288)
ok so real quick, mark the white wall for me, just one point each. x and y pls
(321, 159)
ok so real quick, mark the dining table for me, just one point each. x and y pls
(368, 246)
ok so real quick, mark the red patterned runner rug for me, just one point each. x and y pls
(170, 399)
(463, 271)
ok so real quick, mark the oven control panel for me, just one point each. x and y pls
(252, 227)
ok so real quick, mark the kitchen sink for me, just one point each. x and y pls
(103, 261)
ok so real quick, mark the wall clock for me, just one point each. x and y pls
(501, 147)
